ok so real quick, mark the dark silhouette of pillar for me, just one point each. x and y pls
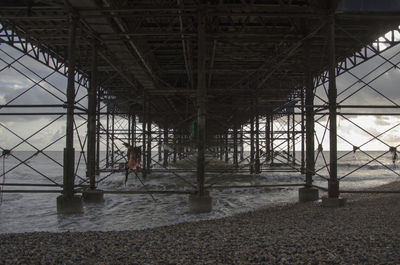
(165, 162)
(235, 146)
(333, 183)
(68, 202)
(252, 144)
(91, 124)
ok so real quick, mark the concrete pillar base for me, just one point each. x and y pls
(308, 194)
(200, 204)
(69, 205)
(333, 202)
(93, 196)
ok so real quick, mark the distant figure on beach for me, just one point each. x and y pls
(394, 157)
(134, 159)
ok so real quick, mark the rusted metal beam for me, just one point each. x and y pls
(69, 151)
(257, 142)
(235, 146)
(201, 99)
(267, 138)
(149, 137)
(309, 109)
(166, 151)
(333, 183)
(91, 125)
(252, 162)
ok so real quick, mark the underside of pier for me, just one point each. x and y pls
(232, 81)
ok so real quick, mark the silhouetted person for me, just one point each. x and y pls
(134, 159)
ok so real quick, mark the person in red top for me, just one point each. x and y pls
(134, 160)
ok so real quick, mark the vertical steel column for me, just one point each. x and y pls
(257, 160)
(267, 139)
(272, 140)
(174, 143)
(112, 136)
(133, 130)
(91, 125)
(241, 144)
(288, 137)
(98, 123)
(159, 144)
(165, 163)
(179, 145)
(201, 99)
(252, 144)
(144, 143)
(69, 151)
(129, 129)
(185, 142)
(108, 138)
(186, 148)
(333, 183)
(149, 137)
(302, 169)
(220, 145)
(235, 146)
(226, 145)
(183, 146)
(221, 153)
(309, 86)
(293, 138)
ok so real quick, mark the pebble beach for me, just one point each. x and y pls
(365, 231)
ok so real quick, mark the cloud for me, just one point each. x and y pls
(382, 121)
(29, 129)
(344, 127)
(392, 139)
(371, 131)
(58, 133)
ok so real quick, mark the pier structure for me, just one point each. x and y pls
(244, 82)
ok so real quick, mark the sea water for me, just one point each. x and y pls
(29, 212)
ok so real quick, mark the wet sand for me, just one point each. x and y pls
(365, 231)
